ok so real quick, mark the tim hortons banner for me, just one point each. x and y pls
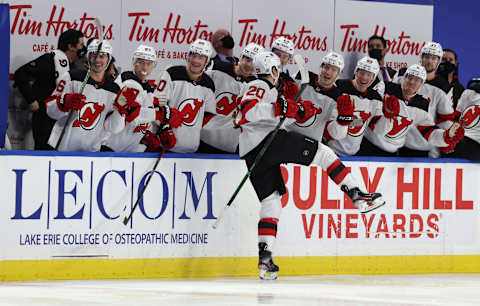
(406, 28)
(69, 206)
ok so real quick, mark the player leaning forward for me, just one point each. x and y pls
(261, 109)
(97, 112)
(137, 133)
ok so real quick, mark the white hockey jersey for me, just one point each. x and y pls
(469, 106)
(413, 115)
(91, 125)
(257, 114)
(439, 107)
(368, 114)
(192, 99)
(218, 129)
(323, 124)
(128, 140)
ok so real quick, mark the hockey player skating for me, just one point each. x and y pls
(413, 117)
(191, 91)
(218, 130)
(333, 112)
(138, 134)
(261, 109)
(370, 112)
(101, 109)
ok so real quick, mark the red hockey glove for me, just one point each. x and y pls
(391, 106)
(167, 138)
(454, 134)
(169, 115)
(289, 89)
(345, 109)
(132, 111)
(74, 101)
(285, 107)
(151, 140)
(306, 110)
(126, 96)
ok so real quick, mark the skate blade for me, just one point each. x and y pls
(265, 275)
(377, 203)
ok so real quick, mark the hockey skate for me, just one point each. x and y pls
(268, 270)
(365, 202)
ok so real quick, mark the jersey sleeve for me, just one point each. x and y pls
(378, 123)
(333, 130)
(445, 116)
(54, 104)
(256, 105)
(425, 125)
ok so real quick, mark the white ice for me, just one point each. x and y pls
(432, 289)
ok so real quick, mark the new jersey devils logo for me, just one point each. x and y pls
(357, 129)
(400, 127)
(89, 116)
(226, 103)
(471, 116)
(189, 109)
(141, 128)
(310, 120)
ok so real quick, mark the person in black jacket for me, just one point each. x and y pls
(45, 71)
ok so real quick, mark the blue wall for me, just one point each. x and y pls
(455, 27)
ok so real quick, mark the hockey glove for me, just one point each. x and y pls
(345, 108)
(132, 111)
(167, 137)
(74, 101)
(151, 140)
(168, 115)
(454, 134)
(289, 89)
(391, 106)
(306, 110)
(285, 107)
(126, 96)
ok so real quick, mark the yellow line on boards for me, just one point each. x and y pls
(21, 270)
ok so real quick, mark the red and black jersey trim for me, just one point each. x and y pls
(179, 73)
(426, 130)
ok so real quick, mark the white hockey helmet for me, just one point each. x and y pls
(334, 59)
(284, 44)
(432, 48)
(146, 53)
(418, 71)
(368, 64)
(201, 47)
(251, 50)
(106, 47)
(265, 61)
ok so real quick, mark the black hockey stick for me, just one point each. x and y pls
(127, 218)
(70, 114)
(305, 79)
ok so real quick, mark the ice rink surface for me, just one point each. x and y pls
(431, 289)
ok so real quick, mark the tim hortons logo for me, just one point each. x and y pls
(173, 32)
(302, 38)
(189, 109)
(401, 44)
(55, 25)
(89, 116)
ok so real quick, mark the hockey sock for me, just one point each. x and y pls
(269, 215)
(336, 170)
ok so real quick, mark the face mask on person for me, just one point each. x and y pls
(376, 54)
(227, 42)
(81, 52)
(445, 68)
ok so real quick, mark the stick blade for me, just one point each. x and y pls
(302, 66)
(99, 29)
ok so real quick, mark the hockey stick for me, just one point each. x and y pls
(305, 79)
(89, 72)
(127, 218)
(159, 79)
